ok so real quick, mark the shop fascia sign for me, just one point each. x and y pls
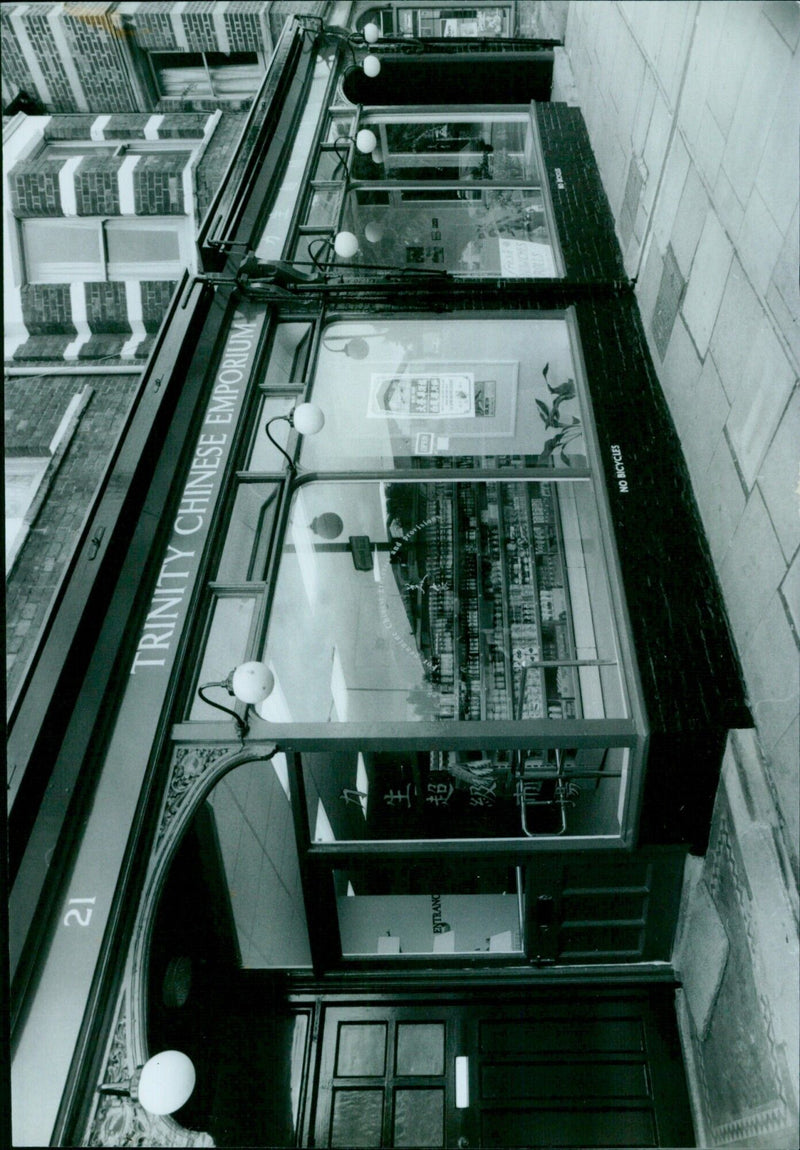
(200, 492)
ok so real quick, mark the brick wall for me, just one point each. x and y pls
(47, 309)
(198, 25)
(97, 187)
(33, 188)
(158, 184)
(33, 410)
(15, 68)
(583, 215)
(690, 673)
(62, 97)
(94, 47)
(243, 23)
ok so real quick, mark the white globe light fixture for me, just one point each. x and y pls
(371, 65)
(377, 155)
(166, 1082)
(366, 140)
(252, 682)
(372, 33)
(373, 232)
(307, 419)
(345, 244)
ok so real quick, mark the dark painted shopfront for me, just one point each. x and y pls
(429, 896)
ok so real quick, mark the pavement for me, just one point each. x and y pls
(693, 109)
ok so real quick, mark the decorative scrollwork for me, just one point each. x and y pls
(189, 764)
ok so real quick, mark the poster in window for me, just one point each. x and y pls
(470, 399)
(439, 395)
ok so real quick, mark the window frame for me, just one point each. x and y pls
(103, 271)
(211, 93)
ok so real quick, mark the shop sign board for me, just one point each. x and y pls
(47, 1043)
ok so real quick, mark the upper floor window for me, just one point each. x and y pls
(59, 250)
(204, 75)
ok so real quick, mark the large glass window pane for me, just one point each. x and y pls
(432, 795)
(489, 231)
(447, 393)
(461, 192)
(57, 250)
(460, 146)
(244, 553)
(226, 643)
(404, 601)
(418, 909)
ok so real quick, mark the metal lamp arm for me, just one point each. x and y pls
(274, 442)
(241, 724)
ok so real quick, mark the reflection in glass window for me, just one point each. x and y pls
(462, 193)
(434, 795)
(249, 532)
(430, 601)
(447, 393)
(225, 648)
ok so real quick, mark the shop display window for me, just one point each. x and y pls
(418, 910)
(453, 393)
(432, 796)
(463, 192)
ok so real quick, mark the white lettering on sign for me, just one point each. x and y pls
(560, 180)
(619, 467)
(162, 618)
(81, 914)
(197, 498)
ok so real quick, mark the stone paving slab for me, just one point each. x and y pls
(699, 158)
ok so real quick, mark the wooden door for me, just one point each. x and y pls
(580, 1070)
(555, 1067)
(387, 1076)
(593, 907)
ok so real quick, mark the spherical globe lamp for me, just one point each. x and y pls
(308, 419)
(329, 525)
(377, 156)
(166, 1082)
(372, 33)
(252, 682)
(366, 140)
(356, 348)
(373, 232)
(345, 245)
(371, 65)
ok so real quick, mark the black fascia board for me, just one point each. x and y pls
(230, 219)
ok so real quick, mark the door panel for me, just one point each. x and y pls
(590, 907)
(557, 1068)
(387, 1076)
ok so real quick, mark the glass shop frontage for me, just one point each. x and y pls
(419, 886)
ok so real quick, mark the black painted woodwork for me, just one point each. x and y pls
(562, 1069)
(438, 78)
